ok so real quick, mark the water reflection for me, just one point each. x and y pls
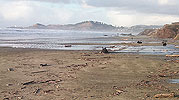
(174, 81)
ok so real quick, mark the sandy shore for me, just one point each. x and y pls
(32, 74)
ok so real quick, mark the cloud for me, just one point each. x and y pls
(14, 11)
(116, 12)
(23, 13)
(169, 7)
(52, 1)
(129, 19)
(163, 2)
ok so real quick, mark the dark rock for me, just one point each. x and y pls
(139, 42)
(104, 50)
(164, 44)
(67, 45)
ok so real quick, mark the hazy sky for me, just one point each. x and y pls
(116, 12)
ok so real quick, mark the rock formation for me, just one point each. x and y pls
(148, 32)
(167, 31)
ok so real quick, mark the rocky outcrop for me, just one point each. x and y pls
(37, 26)
(167, 31)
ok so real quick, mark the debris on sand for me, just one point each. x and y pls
(86, 55)
(48, 91)
(10, 69)
(28, 83)
(9, 84)
(37, 91)
(6, 99)
(43, 65)
(40, 82)
(164, 95)
(38, 72)
(162, 75)
(119, 91)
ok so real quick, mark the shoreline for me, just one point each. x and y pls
(84, 75)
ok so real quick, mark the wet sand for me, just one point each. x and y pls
(34, 74)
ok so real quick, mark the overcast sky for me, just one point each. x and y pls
(115, 12)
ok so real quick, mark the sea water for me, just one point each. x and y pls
(56, 39)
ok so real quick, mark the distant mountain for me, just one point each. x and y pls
(83, 26)
(167, 31)
(139, 28)
(92, 26)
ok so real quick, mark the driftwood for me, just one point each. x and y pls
(28, 83)
(163, 75)
(172, 55)
(43, 65)
(39, 82)
(164, 95)
(38, 72)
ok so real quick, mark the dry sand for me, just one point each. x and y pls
(85, 75)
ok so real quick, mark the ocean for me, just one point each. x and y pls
(78, 40)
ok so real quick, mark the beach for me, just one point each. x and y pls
(38, 74)
(89, 50)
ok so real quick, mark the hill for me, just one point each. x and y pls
(92, 26)
(167, 31)
(82, 26)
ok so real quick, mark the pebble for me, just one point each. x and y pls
(20, 98)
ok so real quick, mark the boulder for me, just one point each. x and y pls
(104, 50)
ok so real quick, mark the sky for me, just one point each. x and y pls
(115, 12)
